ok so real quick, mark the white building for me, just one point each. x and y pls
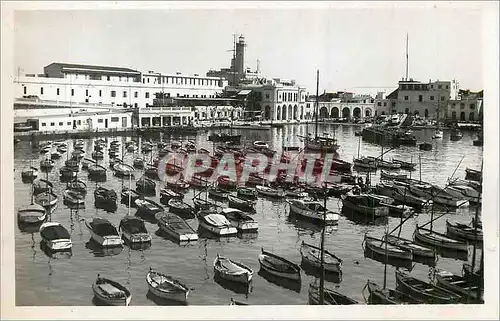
(342, 105)
(116, 86)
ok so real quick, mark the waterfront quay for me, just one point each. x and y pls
(45, 277)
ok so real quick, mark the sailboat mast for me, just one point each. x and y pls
(322, 275)
(476, 216)
(317, 105)
(385, 261)
(406, 77)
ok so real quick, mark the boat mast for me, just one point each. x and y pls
(322, 275)
(386, 258)
(317, 106)
(420, 165)
(476, 216)
(129, 192)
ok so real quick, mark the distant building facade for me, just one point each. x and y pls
(342, 105)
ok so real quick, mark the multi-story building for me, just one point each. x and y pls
(467, 107)
(120, 87)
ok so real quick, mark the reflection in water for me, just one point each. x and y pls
(282, 282)
(390, 260)
(29, 228)
(162, 301)
(236, 287)
(101, 251)
(33, 247)
(62, 254)
(362, 219)
(316, 272)
(204, 255)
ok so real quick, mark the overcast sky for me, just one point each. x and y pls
(355, 49)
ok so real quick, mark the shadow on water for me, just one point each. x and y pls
(358, 218)
(162, 301)
(145, 217)
(281, 282)
(162, 234)
(316, 272)
(73, 206)
(61, 254)
(29, 228)
(142, 246)
(391, 261)
(100, 251)
(235, 287)
(247, 235)
(109, 207)
(204, 233)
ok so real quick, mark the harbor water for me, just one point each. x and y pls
(67, 279)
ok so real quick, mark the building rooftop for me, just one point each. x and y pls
(91, 68)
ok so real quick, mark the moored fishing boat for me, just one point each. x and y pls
(432, 238)
(145, 185)
(29, 174)
(42, 185)
(104, 233)
(216, 223)
(331, 297)
(104, 195)
(243, 222)
(97, 155)
(47, 164)
(199, 181)
(425, 146)
(166, 287)
(365, 163)
(417, 250)
(218, 193)
(260, 145)
(312, 255)
(78, 186)
(46, 199)
(134, 230)
(245, 192)
(313, 210)
(123, 170)
(167, 194)
(463, 286)
(464, 231)
(111, 292)
(176, 227)
(179, 185)
(32, 214)
(390, 176)
(55, 155)
(226, 182)
(473, 174)
(201, 204)
(364, 204)
(386, 164)
(404, 164)
(55, 236)
(421, 290)
(138, 162)
(73, 197)
(387, 296)
(278, 266)
(232, 271)
(97, 171)
(129, 195)
(181, 208)
(148, 208)
(270, 192)
(86, 162)
(241, 204)
(67, 173)
(381, 247)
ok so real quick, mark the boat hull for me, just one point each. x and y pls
(431, 238)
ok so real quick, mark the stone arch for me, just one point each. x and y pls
(454, 115)
(346, 113)
(462, 116)
(283, 112)
(471, 116)
(295, 112)
(356, 113)
(334, 113)
(290, 112)
(267, 112)
(407, 111)
(416, 113)
(301, 112)
(383, 113)
(278, 113)
(426, 113)
(368, 112)
(376, 113)
(323, 112)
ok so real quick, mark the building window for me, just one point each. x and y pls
(100, 93)
(136, 94)
(100, 120)
(109, 78)
(124, 94)
(267, 96)
(68, 123)
(439, 86)
(61, 123)
(72, 92)
(44, 124)
(86, 92)
(148, 80)
(385, 104)
(115, 119)
(472, 106)
(393, 104)
(147, 95)
(52, 124)
(79, 122)
(57, 91)
(178, 95)
(462, 106)
(471, 116)
(420, 98)
(406, 97)
(453, 105)
(136, 105)
(41, 90)
(432, 86)
(442, 98)
(379, 104)
(447, 87)
(432, 97)
(25, 90)
(113, 93)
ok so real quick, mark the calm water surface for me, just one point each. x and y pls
(63, 280)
